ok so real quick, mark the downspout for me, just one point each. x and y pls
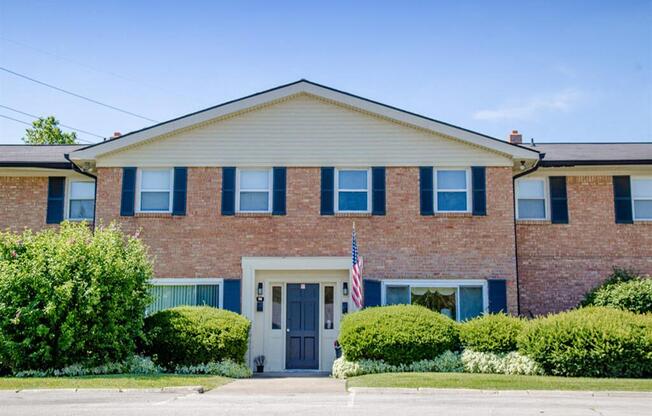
(79, 170)
(527, 172)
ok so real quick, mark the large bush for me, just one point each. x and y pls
(70, 296)
(617, 276)
(491, 333)
(591, 342)
(633, 295)
(399, 334)
(193, 335)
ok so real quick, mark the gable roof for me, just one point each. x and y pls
(311, 88)
(573, 154)
(40, 156)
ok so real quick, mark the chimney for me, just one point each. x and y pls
(516, 137)
(116, 134)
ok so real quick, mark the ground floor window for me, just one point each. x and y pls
(457, 299)
(168, 293)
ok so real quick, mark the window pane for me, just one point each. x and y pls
(154, 201)
(643, 210)
(352, 201)
(82, 190)
(352, 179)
(531, 209)
(254, 179)
(470, 302)
(80, 210)
(451, 179)
(329, 307)
(451, 201)
(276, 307)
(530, 189)
(155, 179)
(208, 295)
(254, 201)
(642, 188)
(397, 295)
(437, 299)
(170, 296)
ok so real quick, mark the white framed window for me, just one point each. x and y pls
(154, 190)
(170, 292)
(352, 190)
(254, 190)
(642, 198)
(452, 193)
(532, 199)
(457, 299)
(80, 203)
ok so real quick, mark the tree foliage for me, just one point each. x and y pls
(46, 130)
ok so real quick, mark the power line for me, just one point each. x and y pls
(76, 95)
(61, 124)
(30, 124)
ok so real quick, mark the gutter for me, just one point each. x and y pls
(79, 170)
(45, 165)
(532, 169)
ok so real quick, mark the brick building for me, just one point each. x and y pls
(250, 206)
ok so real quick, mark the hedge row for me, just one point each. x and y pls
(589, 342)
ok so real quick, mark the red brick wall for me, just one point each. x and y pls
(559, 263)
(23, 202)
(401, 244)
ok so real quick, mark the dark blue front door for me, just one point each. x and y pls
(302, 337)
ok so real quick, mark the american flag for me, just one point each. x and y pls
(356, 274)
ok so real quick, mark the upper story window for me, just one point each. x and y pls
(155, 190)
(81, 200)
(352, 193)
(531, 196)
(452, 190)
(642, 198)
(254, 190)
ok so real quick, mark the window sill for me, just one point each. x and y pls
(643, 222)
(353, 214)
(533, 222)
(453, 214)
(153, 215)
(253, 214)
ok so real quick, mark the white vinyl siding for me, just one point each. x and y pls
(532, 199)
(154, 188)
(642, 198)
(304, 131)
(253, 190)
(352, 190)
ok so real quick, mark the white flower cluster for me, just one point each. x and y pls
(134, 365)
(226, 368)
(510, 363)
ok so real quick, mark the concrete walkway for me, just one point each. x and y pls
(286, 384)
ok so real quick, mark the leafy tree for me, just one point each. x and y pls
(46, 131)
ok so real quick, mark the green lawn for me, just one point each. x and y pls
(498, 382)
(112, 382)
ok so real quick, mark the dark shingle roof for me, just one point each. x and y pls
(566, 154)
(36, 155)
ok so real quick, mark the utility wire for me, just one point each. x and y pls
(76, 95)
(30, 124)
(61, 124)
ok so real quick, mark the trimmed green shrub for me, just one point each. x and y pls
(399, 334)
(448, 362)
(634, 295)
(226, 368)
(194, 335)
(71, 296)
(491, 333)
(591, 342)
(618, 275)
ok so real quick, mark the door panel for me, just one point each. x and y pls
(302, 326)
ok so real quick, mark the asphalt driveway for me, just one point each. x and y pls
(320, 396)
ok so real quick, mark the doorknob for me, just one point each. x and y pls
(287, 330)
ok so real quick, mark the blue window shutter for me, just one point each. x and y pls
(378, 191)
(279, 191)
(179, 197)
(56, 199)
(128, 191)
(371, 292)
(497, 295)
(228, 191)
(231, 301)
(479, 189)
(426, 190)
(623, 200)
(327, 191)
(558, 200)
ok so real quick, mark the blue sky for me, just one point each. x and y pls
(556, 70)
